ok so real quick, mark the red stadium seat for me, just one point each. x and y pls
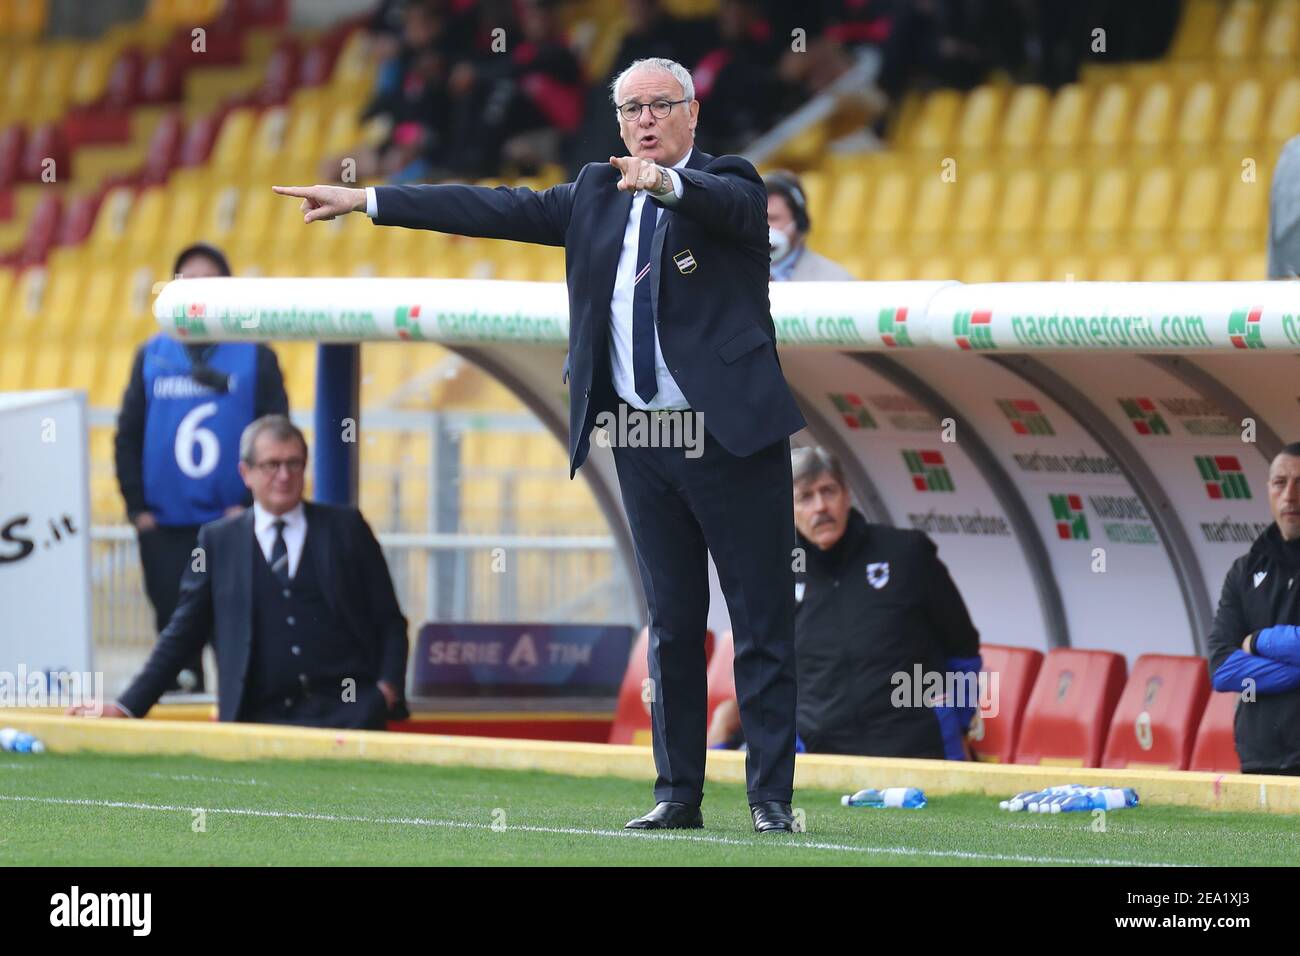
(1216, 747)
(1155, 721)
(994, 738)
(164, 148)
(46, 143)
(1069, 711)
(632, 718)
(722, 673)
(12, 139)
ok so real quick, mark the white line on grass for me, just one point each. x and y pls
(578, 831)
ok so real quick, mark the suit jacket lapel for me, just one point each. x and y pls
(698, 160)
(245, 535)
(318, 543)
(604, 243)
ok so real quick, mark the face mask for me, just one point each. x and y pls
(778, 244)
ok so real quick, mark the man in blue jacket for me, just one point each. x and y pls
(667, 257)
(1255, 645)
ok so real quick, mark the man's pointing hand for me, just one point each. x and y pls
(640, 173)
(325, 202)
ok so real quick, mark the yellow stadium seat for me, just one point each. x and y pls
(1284, 112)
(1020, 209)
(1107, 208)
(230, 152)
(934, 203)
(1161, 268)
(890, 209)
(25, 317)
(91, 74)
(1116, 269)
(1070, 268)
(1206, 268)
(851, 192)
(979, 118)
(1108, 130)
(1196, 30)
(981, 269)
(1244, 113)
(1151, 207)
(1063, 208)
(266, 153)
(1065, 121)
(936, 268)
(1199, 117)
(114, 214)
(83, 364)
(112, 376)
(1198, 217)
(1244, 223)
(1250, 268)
(13, 364)
(1236, 35)
(817, 189)
(934, 125)
(145, 223)
(1025, 269)
(978, 202)
(1022, 127)
(893, 269)
(1280, 34)
(187, 214)
(1154, 119)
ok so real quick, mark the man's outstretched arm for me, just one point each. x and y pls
(515, 213)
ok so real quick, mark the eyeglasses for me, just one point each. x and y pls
(659, 109)
(293, 466)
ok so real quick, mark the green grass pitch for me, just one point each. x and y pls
(98, 809)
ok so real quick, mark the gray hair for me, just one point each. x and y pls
(279, 427)
(663, 65)
(814, 461)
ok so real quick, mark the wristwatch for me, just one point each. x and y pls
(663, 184)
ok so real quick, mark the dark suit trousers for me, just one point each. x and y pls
(323, 709)
(164, 554)
(741, 511)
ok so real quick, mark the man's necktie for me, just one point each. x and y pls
(643, 323)
(280, 555)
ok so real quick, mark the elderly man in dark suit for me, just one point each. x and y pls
(667, 263)
(298, 599)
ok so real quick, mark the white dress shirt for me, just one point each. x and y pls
(295, 532)
(669, 395)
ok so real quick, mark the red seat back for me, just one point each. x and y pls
(722, 674)
(1215, 749)
(993, 738)
(1070, 708)
(1155, 721)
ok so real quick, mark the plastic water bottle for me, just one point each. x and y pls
(907, 797)
(1099, 798)
(16, 741)
(1041, 801)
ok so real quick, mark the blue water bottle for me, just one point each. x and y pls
(909, 798)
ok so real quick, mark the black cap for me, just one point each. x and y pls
(202, 249)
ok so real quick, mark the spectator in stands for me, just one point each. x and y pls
(788, 224)
(1254, 647)
(1284, 214)
(177, 444)
(297, 595)
(735, 80)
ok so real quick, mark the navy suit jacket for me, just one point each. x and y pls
(353, 576)
(711, 304)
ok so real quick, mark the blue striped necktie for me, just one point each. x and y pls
(280, 555)
(643, 325)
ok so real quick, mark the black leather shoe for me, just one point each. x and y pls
(669, 816)
(772, 816)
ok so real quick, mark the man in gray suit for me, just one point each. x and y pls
(1284, 214)
(788, 225)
